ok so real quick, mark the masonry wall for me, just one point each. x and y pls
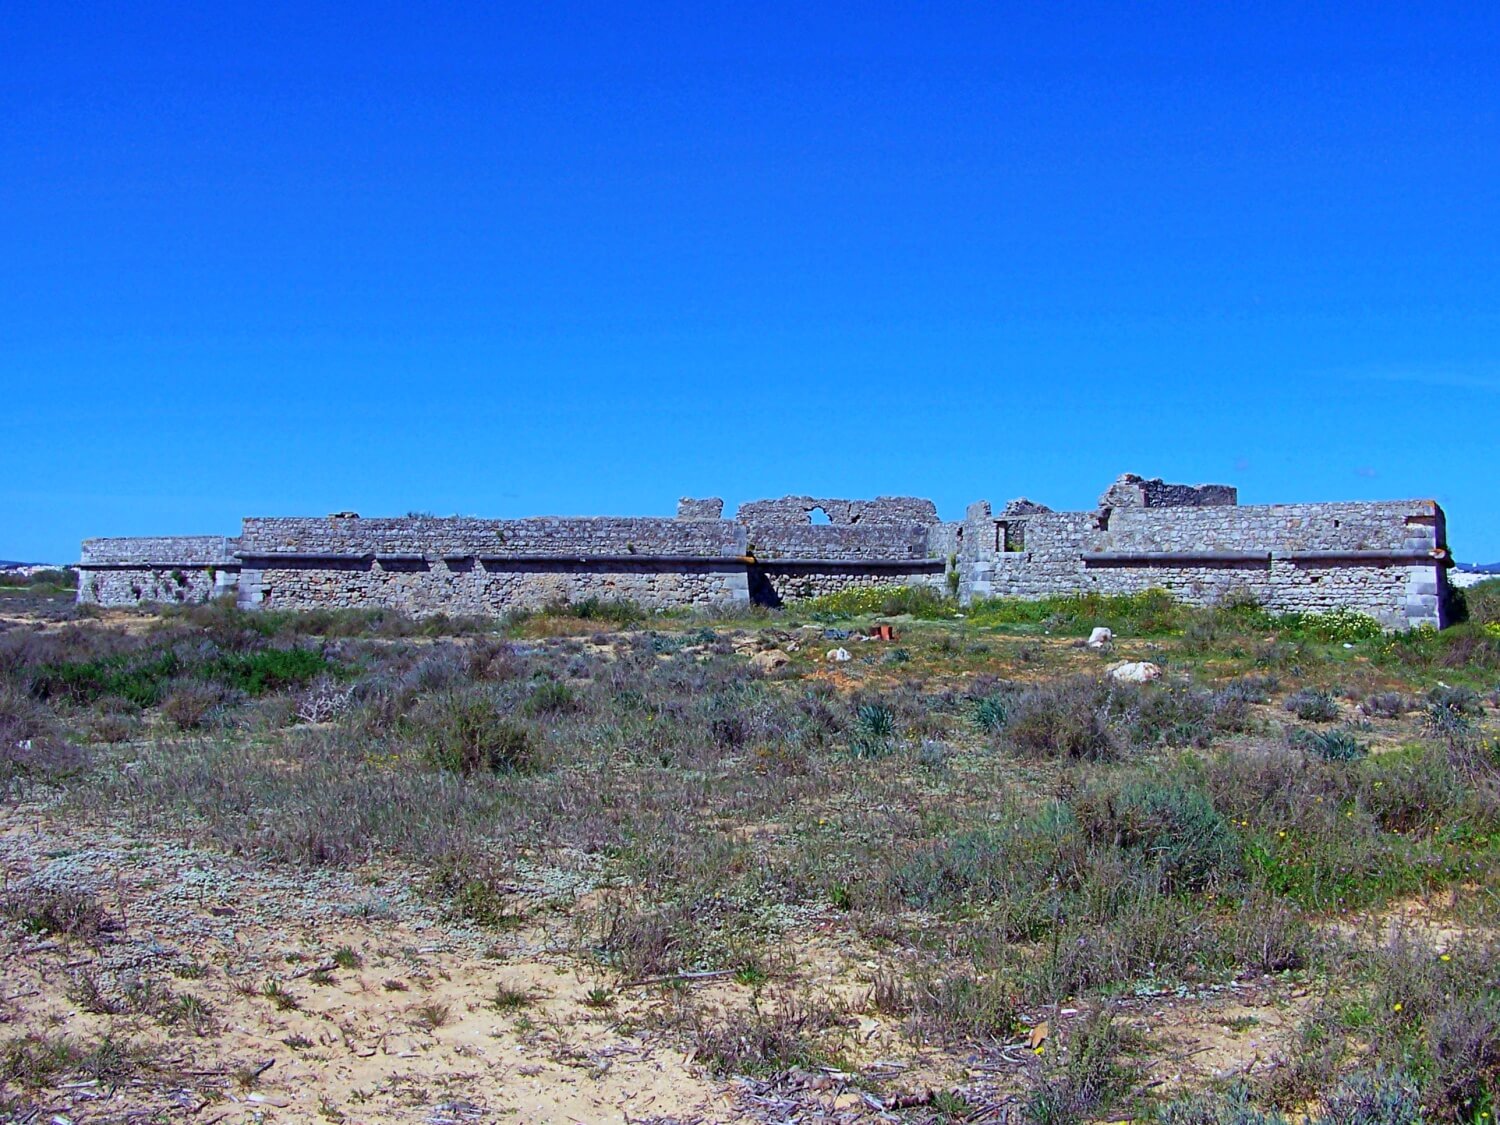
(425, 566)
(776, 584)
(128, 571)
(488, 587)
(821, 541)
(1383, 559)
(883, 510)
(605, 535)
(1386, 559)
(888, 541)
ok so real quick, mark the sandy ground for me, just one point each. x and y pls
(410, 1034)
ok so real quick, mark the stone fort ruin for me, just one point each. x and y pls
(1386, 558)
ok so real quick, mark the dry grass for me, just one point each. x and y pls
(814, 868)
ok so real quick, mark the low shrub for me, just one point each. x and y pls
(1074, 1085)
(1387, 704)
(1444, 721)
(66, 911)
(881, 601)
(989, 712)
(1312, 705)
(190, 703)
(1463, 700)
(32, 745)
(1068, 720)
(143, 678)
(1250, 689)
(1149, 613)
(550, 697)
(791, 1032)
(34, 1061)
(272, 669)
(1332, 746)
(1178, 715)
(1210, 1107)
(1165, 826)
(1482, 602)
(1467, 647)
(1337, 626)
(140, 679)
(616, 611)
(960, 1007)
(463, 732)
(874, 733)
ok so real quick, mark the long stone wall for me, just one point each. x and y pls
(487, 587)
(444, 538)
(1387, 559)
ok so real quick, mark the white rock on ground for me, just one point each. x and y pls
(1134, 672)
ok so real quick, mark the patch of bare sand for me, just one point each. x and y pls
(408, 1032)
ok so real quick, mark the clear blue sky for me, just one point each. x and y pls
(499, 260)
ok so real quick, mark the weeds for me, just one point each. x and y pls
(1088, 1076)
(874, 731)
(1332, 745)
(1065, 841)
(62, 910)
(431, 1014)
(793, 1032)
(463, 732)
(34, 1061)
(1312, 705)
(508, 999)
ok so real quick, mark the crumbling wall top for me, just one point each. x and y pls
(1133, 491)
(1023, 507)
(882, 511)
(710, 508)
(159, 550)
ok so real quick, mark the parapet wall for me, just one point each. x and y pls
(164, 550)
(1387, 559)
(173, 568)
(792, 510)
(1131, 491)
(444, 538)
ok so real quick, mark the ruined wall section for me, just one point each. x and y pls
(1132, 491)
(460, 536)
(126, 571)
(159, 550)
(710, 508)
(833, 543)
(1386, 559)
(1398, 525)
(883, 510)
(488, 587)
(774, 583)
(889, 541)
(424, 566)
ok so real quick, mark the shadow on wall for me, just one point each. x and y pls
(762, 591)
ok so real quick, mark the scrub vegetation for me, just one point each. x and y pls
(965, 875)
